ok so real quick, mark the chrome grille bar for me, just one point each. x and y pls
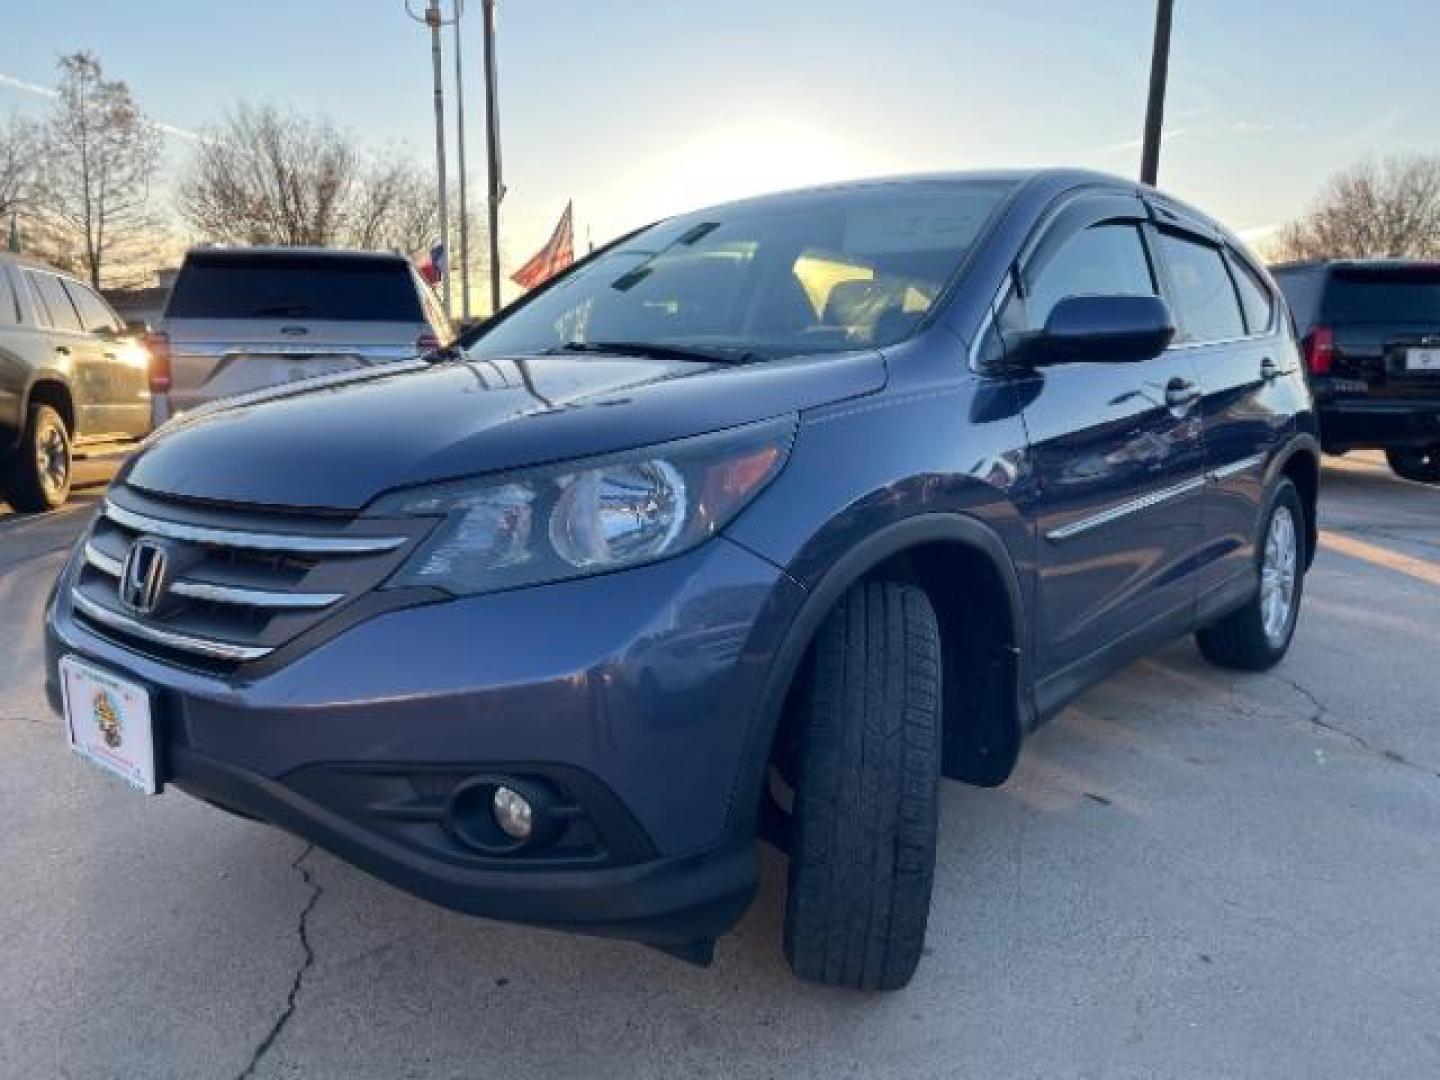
(208, 647)
(294, 543)
(221, 594)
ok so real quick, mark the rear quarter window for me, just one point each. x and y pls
(1302, 292)
(54, 301)
(9, 300)
(1255, 296)
(295, 287)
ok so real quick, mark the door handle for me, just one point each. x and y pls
(1269, 370)
(63, 350)
(1180, 394)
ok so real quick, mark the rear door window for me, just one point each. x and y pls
(55, 301)
(1204, 295)
(95, 315)
(1383, 295)
(302, 287)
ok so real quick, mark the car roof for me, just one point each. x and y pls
(32, 263)
(1357, 264)
(282, 251)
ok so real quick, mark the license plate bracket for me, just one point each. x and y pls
(109, 721)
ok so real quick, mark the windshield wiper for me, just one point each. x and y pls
(660, 351)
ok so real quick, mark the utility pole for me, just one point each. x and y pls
(1159, 76)
(460, 155)
(495, 186)
(432, 19)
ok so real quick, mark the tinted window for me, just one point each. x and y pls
(1205, 300)
(1104, 260)
(55, 301)
(1255, 298)
(9, 302)
(230, 286)
(95, 314)
(812, 273)
(1302, 291)
(1383, 295)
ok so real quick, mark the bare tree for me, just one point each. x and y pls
(1388, 208)
(266, 177)
(19, 166)
(100, 155)
(394, 207)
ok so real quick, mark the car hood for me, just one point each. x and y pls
(337, 443)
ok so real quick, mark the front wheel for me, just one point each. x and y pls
(867, 781)
(1257, 636)
(1422, 465)
(38, 478)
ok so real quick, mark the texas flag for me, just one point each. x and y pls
(556, 255)
(433, 266)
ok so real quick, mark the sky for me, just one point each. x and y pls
(639, 108)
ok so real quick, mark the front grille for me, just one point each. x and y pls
(238, 584)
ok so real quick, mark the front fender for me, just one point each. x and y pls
(865, 482)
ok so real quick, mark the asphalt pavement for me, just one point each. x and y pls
(1193, 874)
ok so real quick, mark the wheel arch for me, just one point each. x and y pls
(53, 389)
(942, 552)
(1300, 463)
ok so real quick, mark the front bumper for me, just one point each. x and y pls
(1378, 423)
(629, 694)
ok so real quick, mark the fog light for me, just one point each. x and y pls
(512, 813)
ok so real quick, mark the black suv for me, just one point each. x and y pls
(1371, 336)
(757, 522)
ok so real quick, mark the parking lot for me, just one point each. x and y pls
(1192, 874)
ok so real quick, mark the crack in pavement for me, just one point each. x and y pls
(302, 931)
(1318, 719)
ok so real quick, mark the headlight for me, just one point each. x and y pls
(589, 516)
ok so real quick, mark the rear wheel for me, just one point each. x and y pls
(1257, 636)
(37, 478)
(1422, 465)
(867, 776)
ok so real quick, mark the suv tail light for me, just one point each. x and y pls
(1320, 350)
(158, 345)
(427, 342)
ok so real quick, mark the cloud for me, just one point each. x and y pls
(1168, 135)
(36, 90)
(28, 87)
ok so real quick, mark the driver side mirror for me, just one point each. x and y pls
(1104, 330)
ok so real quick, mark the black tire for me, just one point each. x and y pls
(1240, 641)
(38, 477)
(1422, 465)
(866, 806)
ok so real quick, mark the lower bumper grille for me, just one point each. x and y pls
(225, 587)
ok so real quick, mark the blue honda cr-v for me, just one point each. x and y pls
(757, 522)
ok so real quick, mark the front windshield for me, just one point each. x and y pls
(809, 273)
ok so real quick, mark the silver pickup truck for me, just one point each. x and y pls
(242, 319)
(72, 382)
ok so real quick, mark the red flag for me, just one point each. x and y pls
(556, 255)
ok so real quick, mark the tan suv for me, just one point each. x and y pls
(72, 382)
(242, 319)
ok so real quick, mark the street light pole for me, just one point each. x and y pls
(432, 19)
(460, 156)
(1159, 76)
(495, 186)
